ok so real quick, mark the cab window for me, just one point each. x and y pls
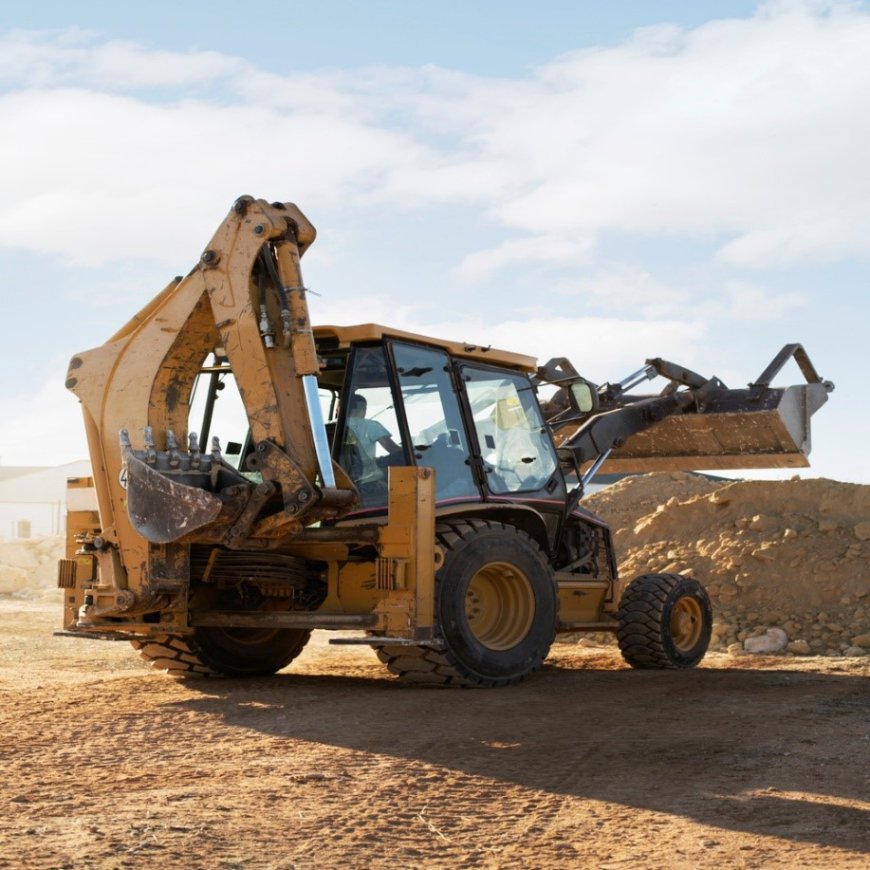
(370, 439)
(515, 446)
(434, 420)
(217, 410)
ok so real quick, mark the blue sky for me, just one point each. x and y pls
(489, 37)
(607, 182)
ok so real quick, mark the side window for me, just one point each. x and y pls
(216, 409)
(434, 420)
(329, 409)
(517, 452)
(370, 440)
(328, 404)
(330, 381)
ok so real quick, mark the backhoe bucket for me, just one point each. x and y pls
(162, 509)
(761, 427)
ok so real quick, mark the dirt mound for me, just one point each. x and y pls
(789, 555)
(28, 567)
(624, 503)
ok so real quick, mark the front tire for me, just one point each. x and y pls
(496, 609)
(665, 621)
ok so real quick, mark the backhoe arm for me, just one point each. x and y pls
(246, 296)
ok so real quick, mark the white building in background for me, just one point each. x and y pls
(33, 498)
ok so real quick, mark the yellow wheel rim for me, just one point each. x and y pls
(500, 605)
(687, 623)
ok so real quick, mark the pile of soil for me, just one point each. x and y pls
(788, 555)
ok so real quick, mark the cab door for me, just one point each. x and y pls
(434, 420)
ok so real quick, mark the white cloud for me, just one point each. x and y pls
(746, 137)
(37, 59)
(604, 348)
(102, 177)
(635, 291)
(746, 301)
(753, 132)
(750, 129)
(627, 289)
(44, 428)
(480, 265)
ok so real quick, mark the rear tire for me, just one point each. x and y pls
(496, 610)
(229, 652)
(665, 621)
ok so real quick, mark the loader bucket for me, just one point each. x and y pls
(162, 509)
(755, 428)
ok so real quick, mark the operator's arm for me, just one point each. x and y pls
(389, 445)
(377, 433)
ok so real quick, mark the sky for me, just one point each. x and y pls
(607, 182)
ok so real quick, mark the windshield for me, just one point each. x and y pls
(515, 445)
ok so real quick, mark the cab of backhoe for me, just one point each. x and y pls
(399, 402)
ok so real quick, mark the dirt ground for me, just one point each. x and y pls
(744, 762)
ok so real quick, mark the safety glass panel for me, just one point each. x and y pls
(434, 420)
(517, 452)
(217, 410)
(370, 441)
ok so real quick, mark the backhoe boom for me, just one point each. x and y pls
(139, 385)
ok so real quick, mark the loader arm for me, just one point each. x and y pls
(695, 423)
(156, 485)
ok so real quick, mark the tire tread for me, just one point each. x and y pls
(423, 665)
(641, 617)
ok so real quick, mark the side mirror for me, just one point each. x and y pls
(584, 397)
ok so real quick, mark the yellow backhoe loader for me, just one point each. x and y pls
(423, 493)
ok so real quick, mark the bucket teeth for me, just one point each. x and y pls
(150, 451)
(172, 449)
(173, 459)
(193, 446)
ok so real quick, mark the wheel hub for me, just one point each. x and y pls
(499, 605)
(686, 623)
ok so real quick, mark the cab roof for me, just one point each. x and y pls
(362, 333)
